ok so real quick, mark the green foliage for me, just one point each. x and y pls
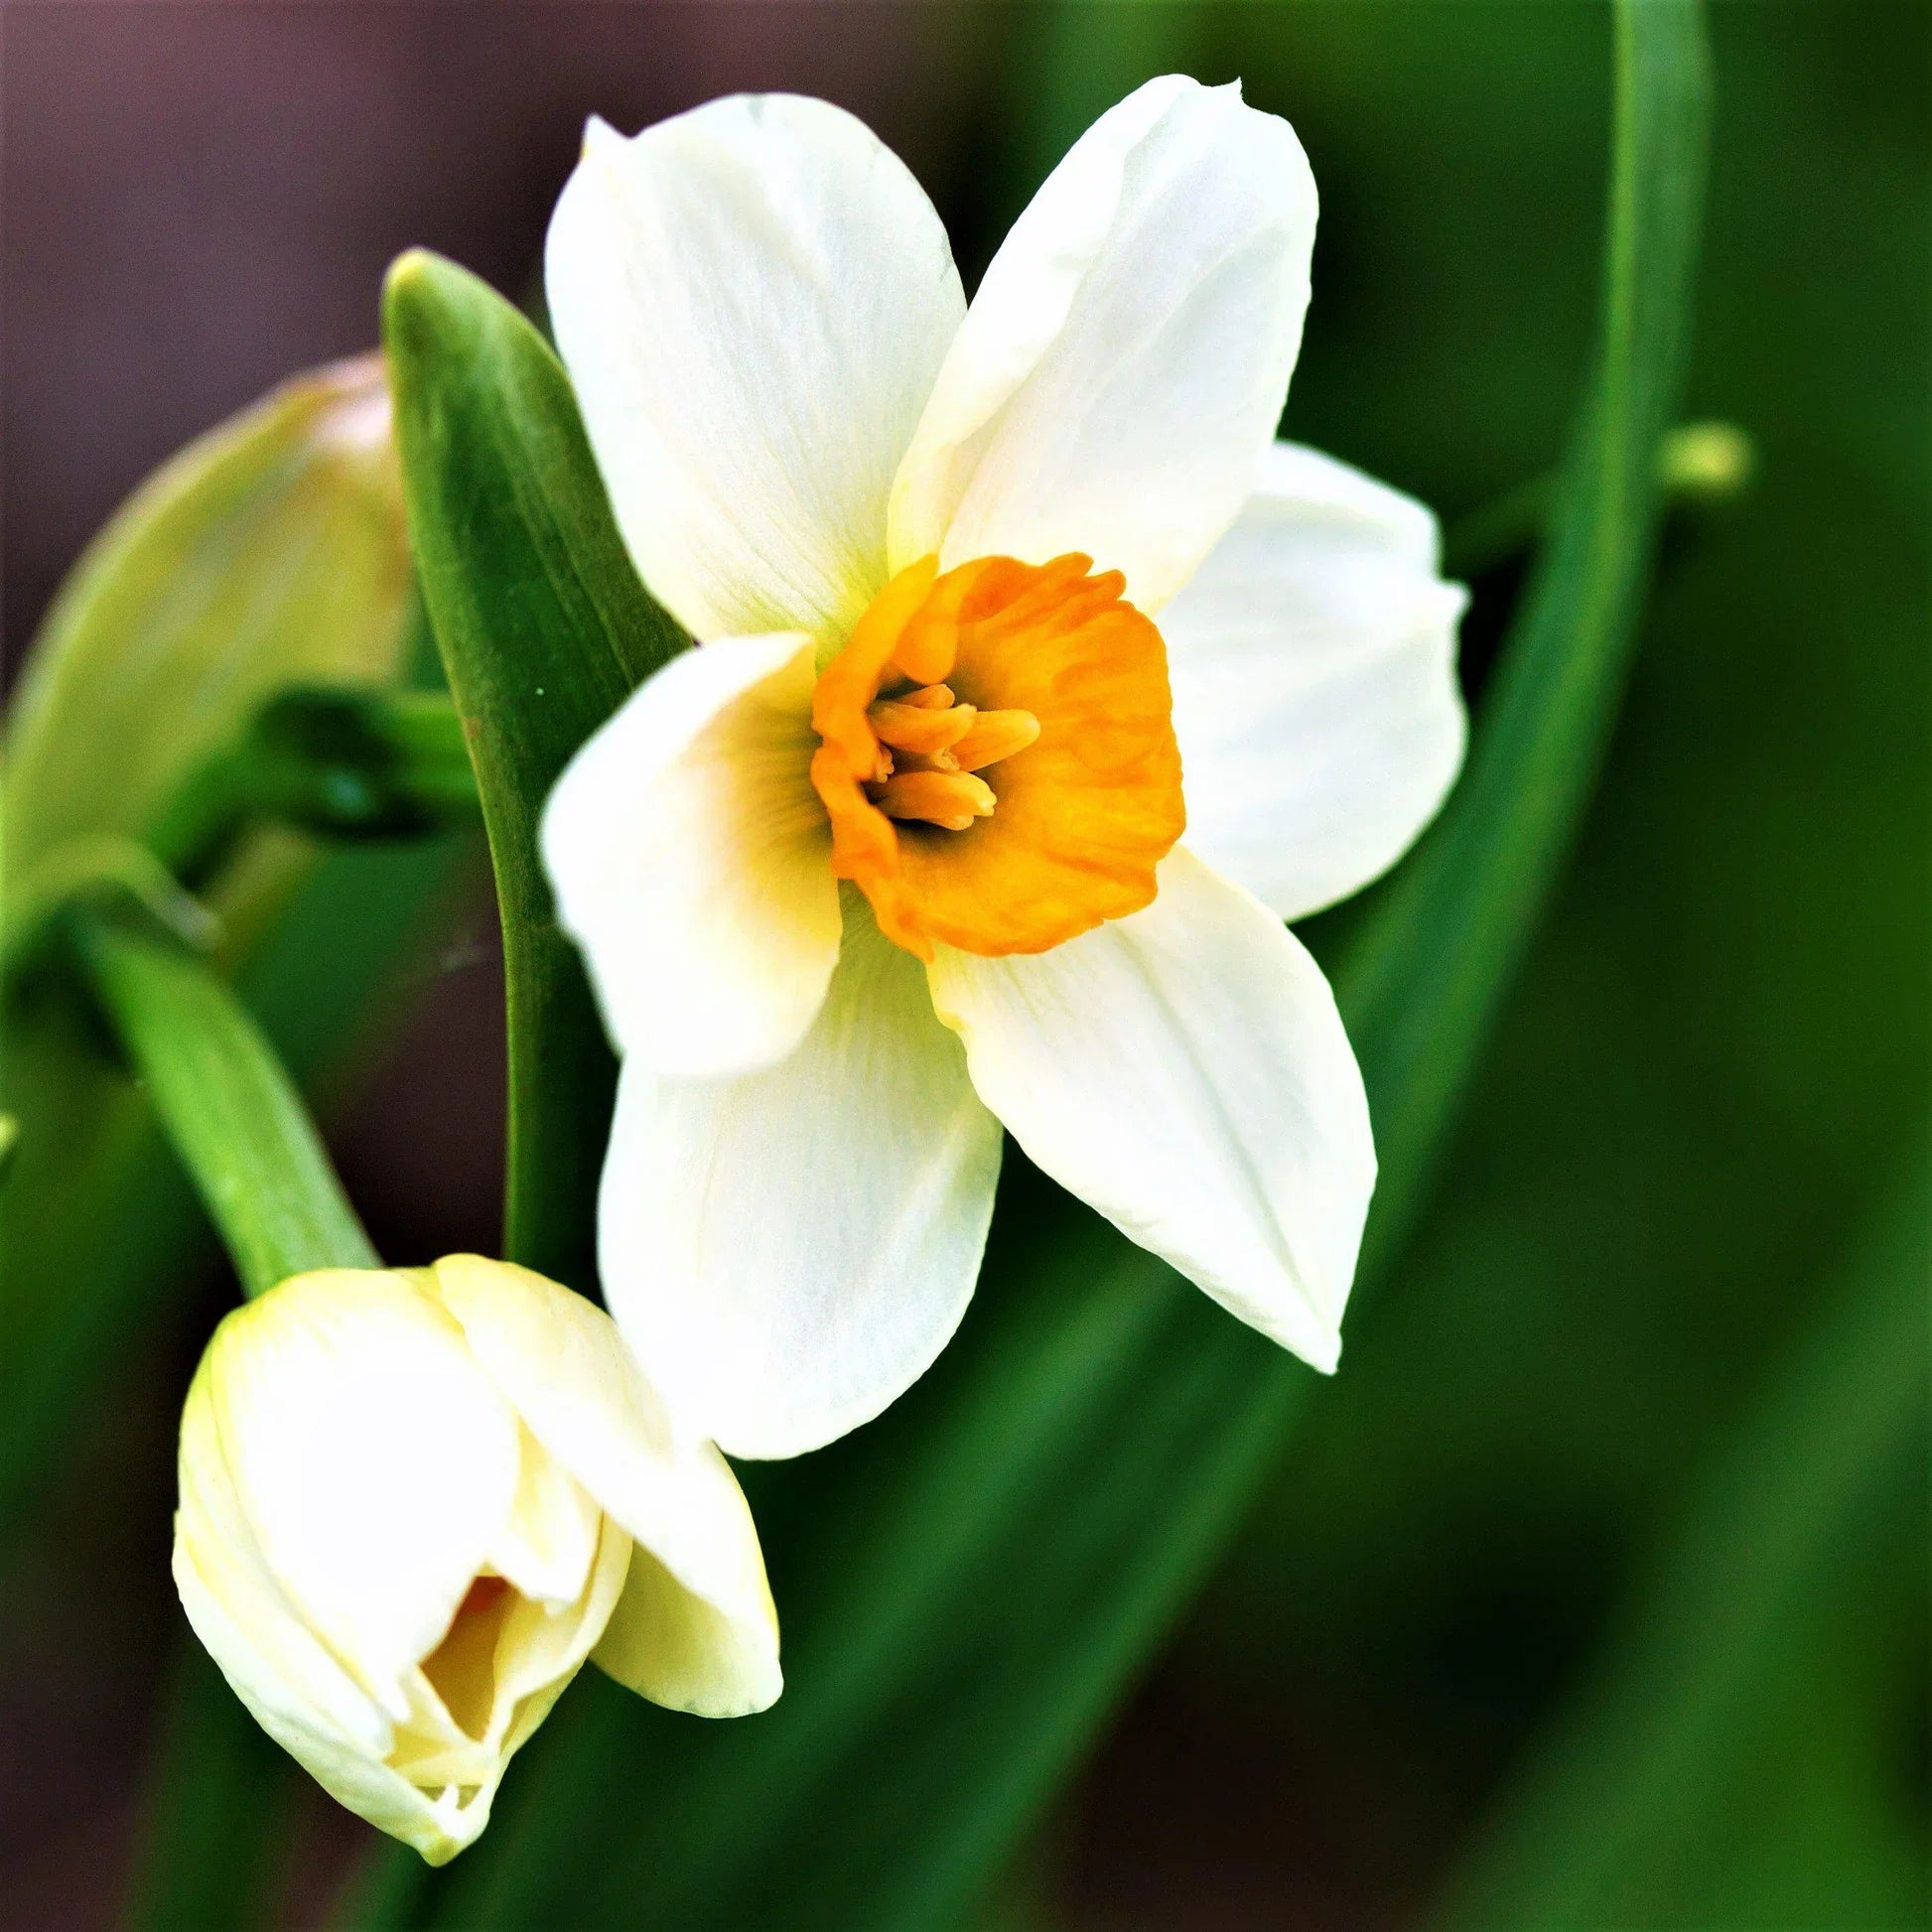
(1645, 1804)
(544, 630)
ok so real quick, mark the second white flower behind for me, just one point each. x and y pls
(939, 831)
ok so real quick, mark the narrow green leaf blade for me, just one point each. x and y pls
(544, 630)
(1615, 1816)
(1468, 898)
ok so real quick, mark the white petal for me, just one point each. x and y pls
(680, 1650)
(541, 1671)
(349, 1766)
(547, 1544)
(372, 1460)
(1313, 660)
(560, 1360)
(260, 1636)
(280, 1669)
(691, 859)
(753, 300)
(1123, 362)
(495, 1678)
(1185, 1072)
(787, 1253)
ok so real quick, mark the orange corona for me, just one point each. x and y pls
(997, 754)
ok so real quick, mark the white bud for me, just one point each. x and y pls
(414, 1501)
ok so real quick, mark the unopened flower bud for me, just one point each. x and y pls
(414, 1501)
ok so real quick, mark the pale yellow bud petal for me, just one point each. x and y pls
(558, 1358)
(263, 1665)
(374, 1459)
(548, 1542)
(400, 1550)
(674, 1647)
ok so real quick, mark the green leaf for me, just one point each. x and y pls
(217, 1810)
(969, 1585)
(98, 1219)
(544, 630)
(1661, 1758)
(229, 1109)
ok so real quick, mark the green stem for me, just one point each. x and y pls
(220, 1790)
(229, 1109)
(1424, 974)
(346, 762)
(1698, 466)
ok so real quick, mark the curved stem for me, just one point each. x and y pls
(225, 1102)
(346, 762)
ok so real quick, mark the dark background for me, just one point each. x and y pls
(1707, 1073)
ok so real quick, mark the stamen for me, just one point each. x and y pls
(1077, 741)
(932, 696)
(919, 728)
(995, 735)
(952, 799)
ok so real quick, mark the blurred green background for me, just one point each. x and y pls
(1594, 1591)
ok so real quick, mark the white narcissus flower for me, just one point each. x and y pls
(414, 1500)
(896, 856)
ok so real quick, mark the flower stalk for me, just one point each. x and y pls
(225, 1102)
(1700, 466)
(343, 762)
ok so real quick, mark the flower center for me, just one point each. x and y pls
(931, 749)
(997, 754)
(462, 1669)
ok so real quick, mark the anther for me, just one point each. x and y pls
(995, 735)
(919, 728)
(951, 800)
